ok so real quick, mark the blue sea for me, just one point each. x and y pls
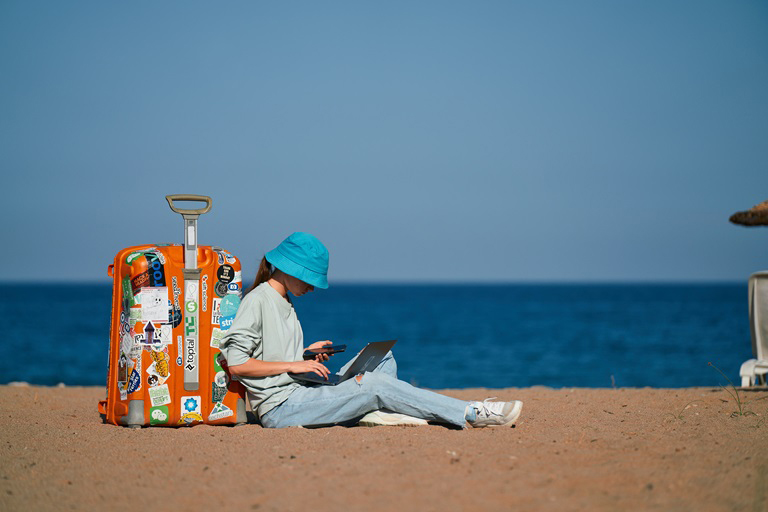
(449, 336)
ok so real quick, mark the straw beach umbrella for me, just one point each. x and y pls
(754, 372)
(755, 216)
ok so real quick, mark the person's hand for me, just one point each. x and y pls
(309, 366)
(320, 344)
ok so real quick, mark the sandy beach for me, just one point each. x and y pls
(574, 449)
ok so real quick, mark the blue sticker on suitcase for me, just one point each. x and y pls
(134, 382)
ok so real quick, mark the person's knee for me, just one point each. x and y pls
(369, 386)
(372, 382)
(365, 379)
(367, 382)
(390, 357)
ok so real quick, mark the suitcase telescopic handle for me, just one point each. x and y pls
(189, 197)
(191, 275)
(190, 224)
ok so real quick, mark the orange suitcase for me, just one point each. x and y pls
(171, 304)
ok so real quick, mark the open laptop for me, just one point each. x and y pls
(368, 359)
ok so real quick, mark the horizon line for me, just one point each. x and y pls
(440, 282)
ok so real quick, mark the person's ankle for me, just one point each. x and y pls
(470, 413)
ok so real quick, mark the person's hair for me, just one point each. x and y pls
(266, 269)
(263, 274)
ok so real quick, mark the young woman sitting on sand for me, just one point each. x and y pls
(264, 346)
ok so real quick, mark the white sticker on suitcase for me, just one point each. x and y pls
(205, 292)
(191, 410)
(134, 315)
(158, 336)
(191, 377)
(159, 395)
(216, 312)
(190, 289)
(158, 254)
(191, 354)
(164, 334)
(160, 369)
(154, 304)
(179, 351)
(126, 343)
(216, 336)
(190, 404)
(220, 411)
(176, 293)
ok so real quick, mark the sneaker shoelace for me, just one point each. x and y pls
(487, 408)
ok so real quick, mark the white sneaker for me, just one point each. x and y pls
(377, 418)
(495, 414)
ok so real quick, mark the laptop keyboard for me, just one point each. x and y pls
(312, 376)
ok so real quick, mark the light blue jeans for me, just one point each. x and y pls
(317, 405)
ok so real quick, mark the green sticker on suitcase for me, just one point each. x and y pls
(128, 292)
(158, 415)
(220, 381)
(129, 259)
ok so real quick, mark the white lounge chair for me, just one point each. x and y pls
(754, 371)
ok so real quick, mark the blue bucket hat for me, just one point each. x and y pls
(302, 256)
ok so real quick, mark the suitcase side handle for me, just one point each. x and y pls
(189, 197)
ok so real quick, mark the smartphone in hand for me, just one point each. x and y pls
(330, 349)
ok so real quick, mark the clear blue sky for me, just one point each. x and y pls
(421, 141)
